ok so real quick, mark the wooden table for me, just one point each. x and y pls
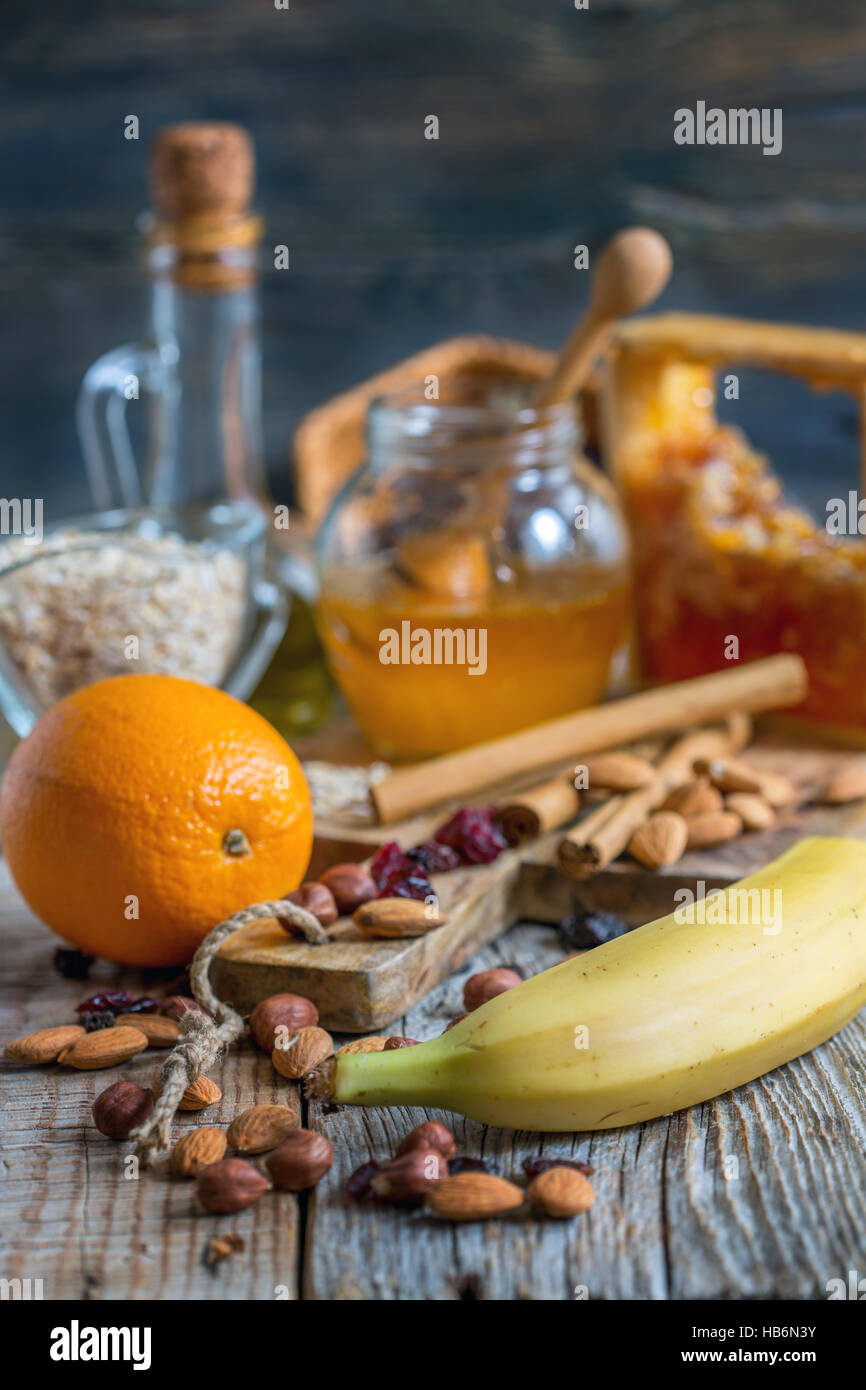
(761, 1194)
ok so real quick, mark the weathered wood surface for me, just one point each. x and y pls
(667, 1222)
(673, 1217)
(69, 1214)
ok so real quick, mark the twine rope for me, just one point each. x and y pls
(203, 1035)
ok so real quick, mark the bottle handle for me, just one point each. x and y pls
(114, 380)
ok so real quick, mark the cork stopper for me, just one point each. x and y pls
(202, 168)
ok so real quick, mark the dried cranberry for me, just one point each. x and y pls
(533, 1166)
(585, 930)
(92, 1022)
(462, 1164)
(397, 876)
(72, 964)
(118, 1001)
(145, 1005)
(358, 1183)
(387, 862)
(435, 858)
(471, 832)
(414, 885)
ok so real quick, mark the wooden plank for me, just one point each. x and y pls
(674, 1217)
(361, 985)
(71, 1213)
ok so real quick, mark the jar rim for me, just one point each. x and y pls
(504, 424)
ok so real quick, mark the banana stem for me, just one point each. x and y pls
(407, 1076)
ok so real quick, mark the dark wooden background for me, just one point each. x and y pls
(556, 128)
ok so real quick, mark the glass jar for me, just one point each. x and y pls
(473, 575)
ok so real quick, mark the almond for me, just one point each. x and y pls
(779, 790)
(398, 917)
(260, 1128)
(45, 1045)
(729, 775)
(106, 1048)
(713, 830)
(616, 772)
(196, 1150)
(848, 783)
(200, 1094)
(753, 810)
(363, 1045)
(472, 1197)
(660, 840)
(561, 1192)
(160, 1032)
(697, 798)
(306, 1050)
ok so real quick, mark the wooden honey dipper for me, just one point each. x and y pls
(632, 270)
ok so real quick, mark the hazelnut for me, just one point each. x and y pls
(407, 1178)
(121, 1108)
(229, 1185)
(316, 898)
(350, 884)
(457, 1019)
(300, 1161)
(291, 1011)
(486, 985)
(176, 1005)
(430, 1135)
(394, 1043)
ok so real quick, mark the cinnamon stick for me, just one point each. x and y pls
(590, 848)
(772, 683)
(544, 807)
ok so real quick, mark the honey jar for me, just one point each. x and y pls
(473, 575)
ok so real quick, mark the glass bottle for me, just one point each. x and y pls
(194, 386)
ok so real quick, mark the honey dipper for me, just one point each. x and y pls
(632, 270)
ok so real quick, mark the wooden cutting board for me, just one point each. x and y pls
(360, 986)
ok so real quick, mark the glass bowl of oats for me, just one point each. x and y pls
(185, 593)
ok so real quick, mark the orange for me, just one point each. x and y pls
(142, 810)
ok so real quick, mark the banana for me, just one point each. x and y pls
(664, 1017)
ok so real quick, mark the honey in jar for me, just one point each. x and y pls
(473, 577)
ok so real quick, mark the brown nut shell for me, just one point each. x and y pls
(430, 1135)
(350, 884)
(230, 1185)
(121, 1108)
(486, 984)
(302, 1160)
(281, 1011)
